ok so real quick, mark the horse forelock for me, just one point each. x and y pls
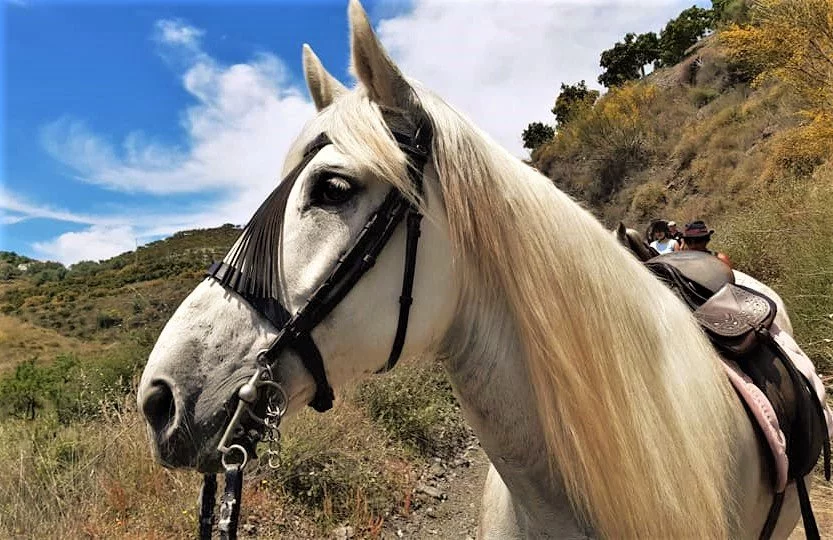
(628, 391)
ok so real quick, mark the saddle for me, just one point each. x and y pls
(773, 377)
(695, 276)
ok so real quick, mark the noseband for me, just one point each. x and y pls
(261, 401)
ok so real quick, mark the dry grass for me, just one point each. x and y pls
(97, 479)
(784, 238)
(93, 480)
(21, 341)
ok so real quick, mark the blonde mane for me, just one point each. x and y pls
(633, 404)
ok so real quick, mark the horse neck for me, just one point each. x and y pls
(483, 357)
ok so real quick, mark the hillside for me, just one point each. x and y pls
(705, 140)
(106, 302)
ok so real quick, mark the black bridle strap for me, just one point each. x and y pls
(294, 330)
(208, 496)
(406, 298)
(230, 504)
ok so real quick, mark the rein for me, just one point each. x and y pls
(261, 400)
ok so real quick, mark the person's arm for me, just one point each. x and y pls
(725, 259)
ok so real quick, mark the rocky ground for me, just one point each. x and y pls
(446, 504)
(446, 500)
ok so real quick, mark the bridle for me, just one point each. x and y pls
(261, 400)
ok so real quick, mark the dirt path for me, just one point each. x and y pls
(446, 502)
(452, 511)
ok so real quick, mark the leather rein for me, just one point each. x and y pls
(261, 400)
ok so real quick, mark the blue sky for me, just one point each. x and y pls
(126, 122)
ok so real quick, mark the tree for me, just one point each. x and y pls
(683, 32)
(23, 392)
(730, 11)
(646, 50)
(572, 99)
(537, 134)
(627, 59)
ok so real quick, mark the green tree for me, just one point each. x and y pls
(683, 32)
(646, 50)
(730, 11)
(627, 59)
(537, 134)
(573, 99)
(24, 392)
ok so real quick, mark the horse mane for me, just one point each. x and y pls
(634, 408)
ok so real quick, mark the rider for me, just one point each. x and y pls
(662, 242)
(696, 237)
(674, 232)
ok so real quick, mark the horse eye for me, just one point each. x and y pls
(332, 191)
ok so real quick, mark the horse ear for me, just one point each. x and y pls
(323, 87)
(622, 233)
(372, 66)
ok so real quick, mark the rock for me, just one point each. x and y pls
(249, 528)
(430, 491)
(436, 470)
(430, 512)
(343, 533)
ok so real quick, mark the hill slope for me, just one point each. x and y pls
(700, 141)
(106, 301)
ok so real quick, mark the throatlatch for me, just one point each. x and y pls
(250, 269)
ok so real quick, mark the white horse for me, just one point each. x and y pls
(603, 409)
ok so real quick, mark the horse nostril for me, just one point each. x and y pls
(158, 405)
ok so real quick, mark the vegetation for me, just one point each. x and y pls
(133, 293)
(740, 135)
(537, 134)
(573, 100)
(415, 406)
(682, 32)
(729, 11)
(626, 60)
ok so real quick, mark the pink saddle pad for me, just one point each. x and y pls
(761, 408)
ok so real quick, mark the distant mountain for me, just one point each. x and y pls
(128, 295)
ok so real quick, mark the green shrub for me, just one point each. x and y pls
(415, 405)
(107, 320)
(72, 389)
(647, 200)
(701, 96)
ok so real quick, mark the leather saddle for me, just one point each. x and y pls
(694, 275)
(738, 320)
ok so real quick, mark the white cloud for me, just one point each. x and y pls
(16, 209)
(502, 63)
(244, 119)
(178, 33)
(93, 244)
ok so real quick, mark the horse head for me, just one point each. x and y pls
(632, 240)
(338, 183)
